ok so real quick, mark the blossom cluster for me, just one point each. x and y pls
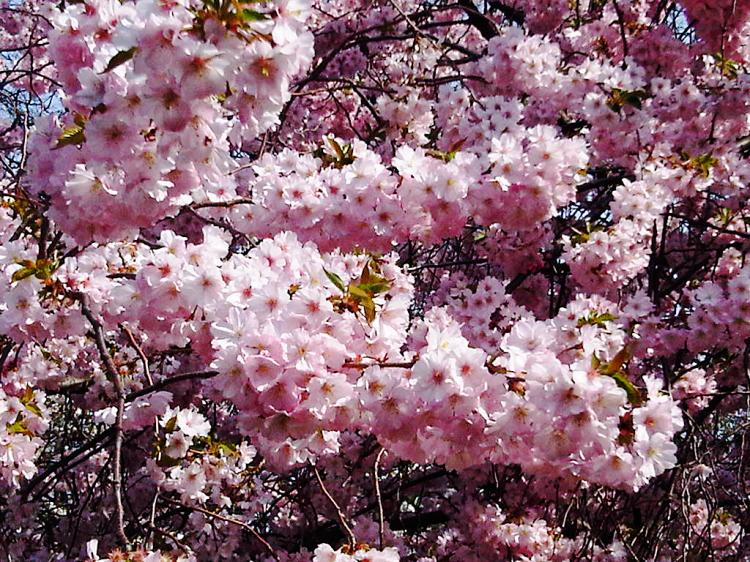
(276, 327)
(157, 94)
(324, 553)
(346, 281)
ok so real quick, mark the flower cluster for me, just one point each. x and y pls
(157, 94)
(324, 553)
(717, 526)
(279, 324)
(285, 280)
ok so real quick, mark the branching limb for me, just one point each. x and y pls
(352, 541)
(111, 370)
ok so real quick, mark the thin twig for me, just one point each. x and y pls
(401, 365)
(171, 537)
(706, 224)
(152, 521)
(408, 20)
(342, 519)
(65, 461)
(139, 351)
(376, 481)
(149, 378)
(623, 34)
(109, 366)
(226, 519)
(169, 381)
(223, 204)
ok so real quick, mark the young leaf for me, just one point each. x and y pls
(80, 119)
(19, 427)
(620, 98)
(42, 269)
(22, 273)
(253, 15)
(30, 404)
(358, 292)
(71, 135)
(119, 58)
(371, 275)
(337, 148)
(368, 306)
(596, 319)
(375, 288)
(336, 280)
(634, 395)
(617, 362)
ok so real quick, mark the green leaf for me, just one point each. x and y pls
(42, 269)
(171, 424)
(19, 427)
(620, 98)
(71, 135)
(702, 164)
(450, 154)
(34, 409)
(634, 395)
(120, 58)
(358, 292)
(28, 401)
(376, 287)
(615, 366)
(725, 216)
(368, 307)
(634, 99)
(596, 319)
(229, 449)
(371, 274)
(80, 119)
(614, 369)
(22, 273)
(728, 67)
(45, 268)
(364, 300)
(336, 280)
(441, 155)
(249, 15)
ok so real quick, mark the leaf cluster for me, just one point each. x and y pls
(359, 297)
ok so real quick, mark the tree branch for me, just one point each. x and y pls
(111, 370)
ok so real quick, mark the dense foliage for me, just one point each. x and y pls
(337, 280)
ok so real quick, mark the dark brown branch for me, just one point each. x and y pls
(385, 365)
(65, 461)
(705, 224)
(484, 25)
(266, 545)
(141, 355)
(340, 514)
(170, 381)
(111, 370)
(224, 204)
